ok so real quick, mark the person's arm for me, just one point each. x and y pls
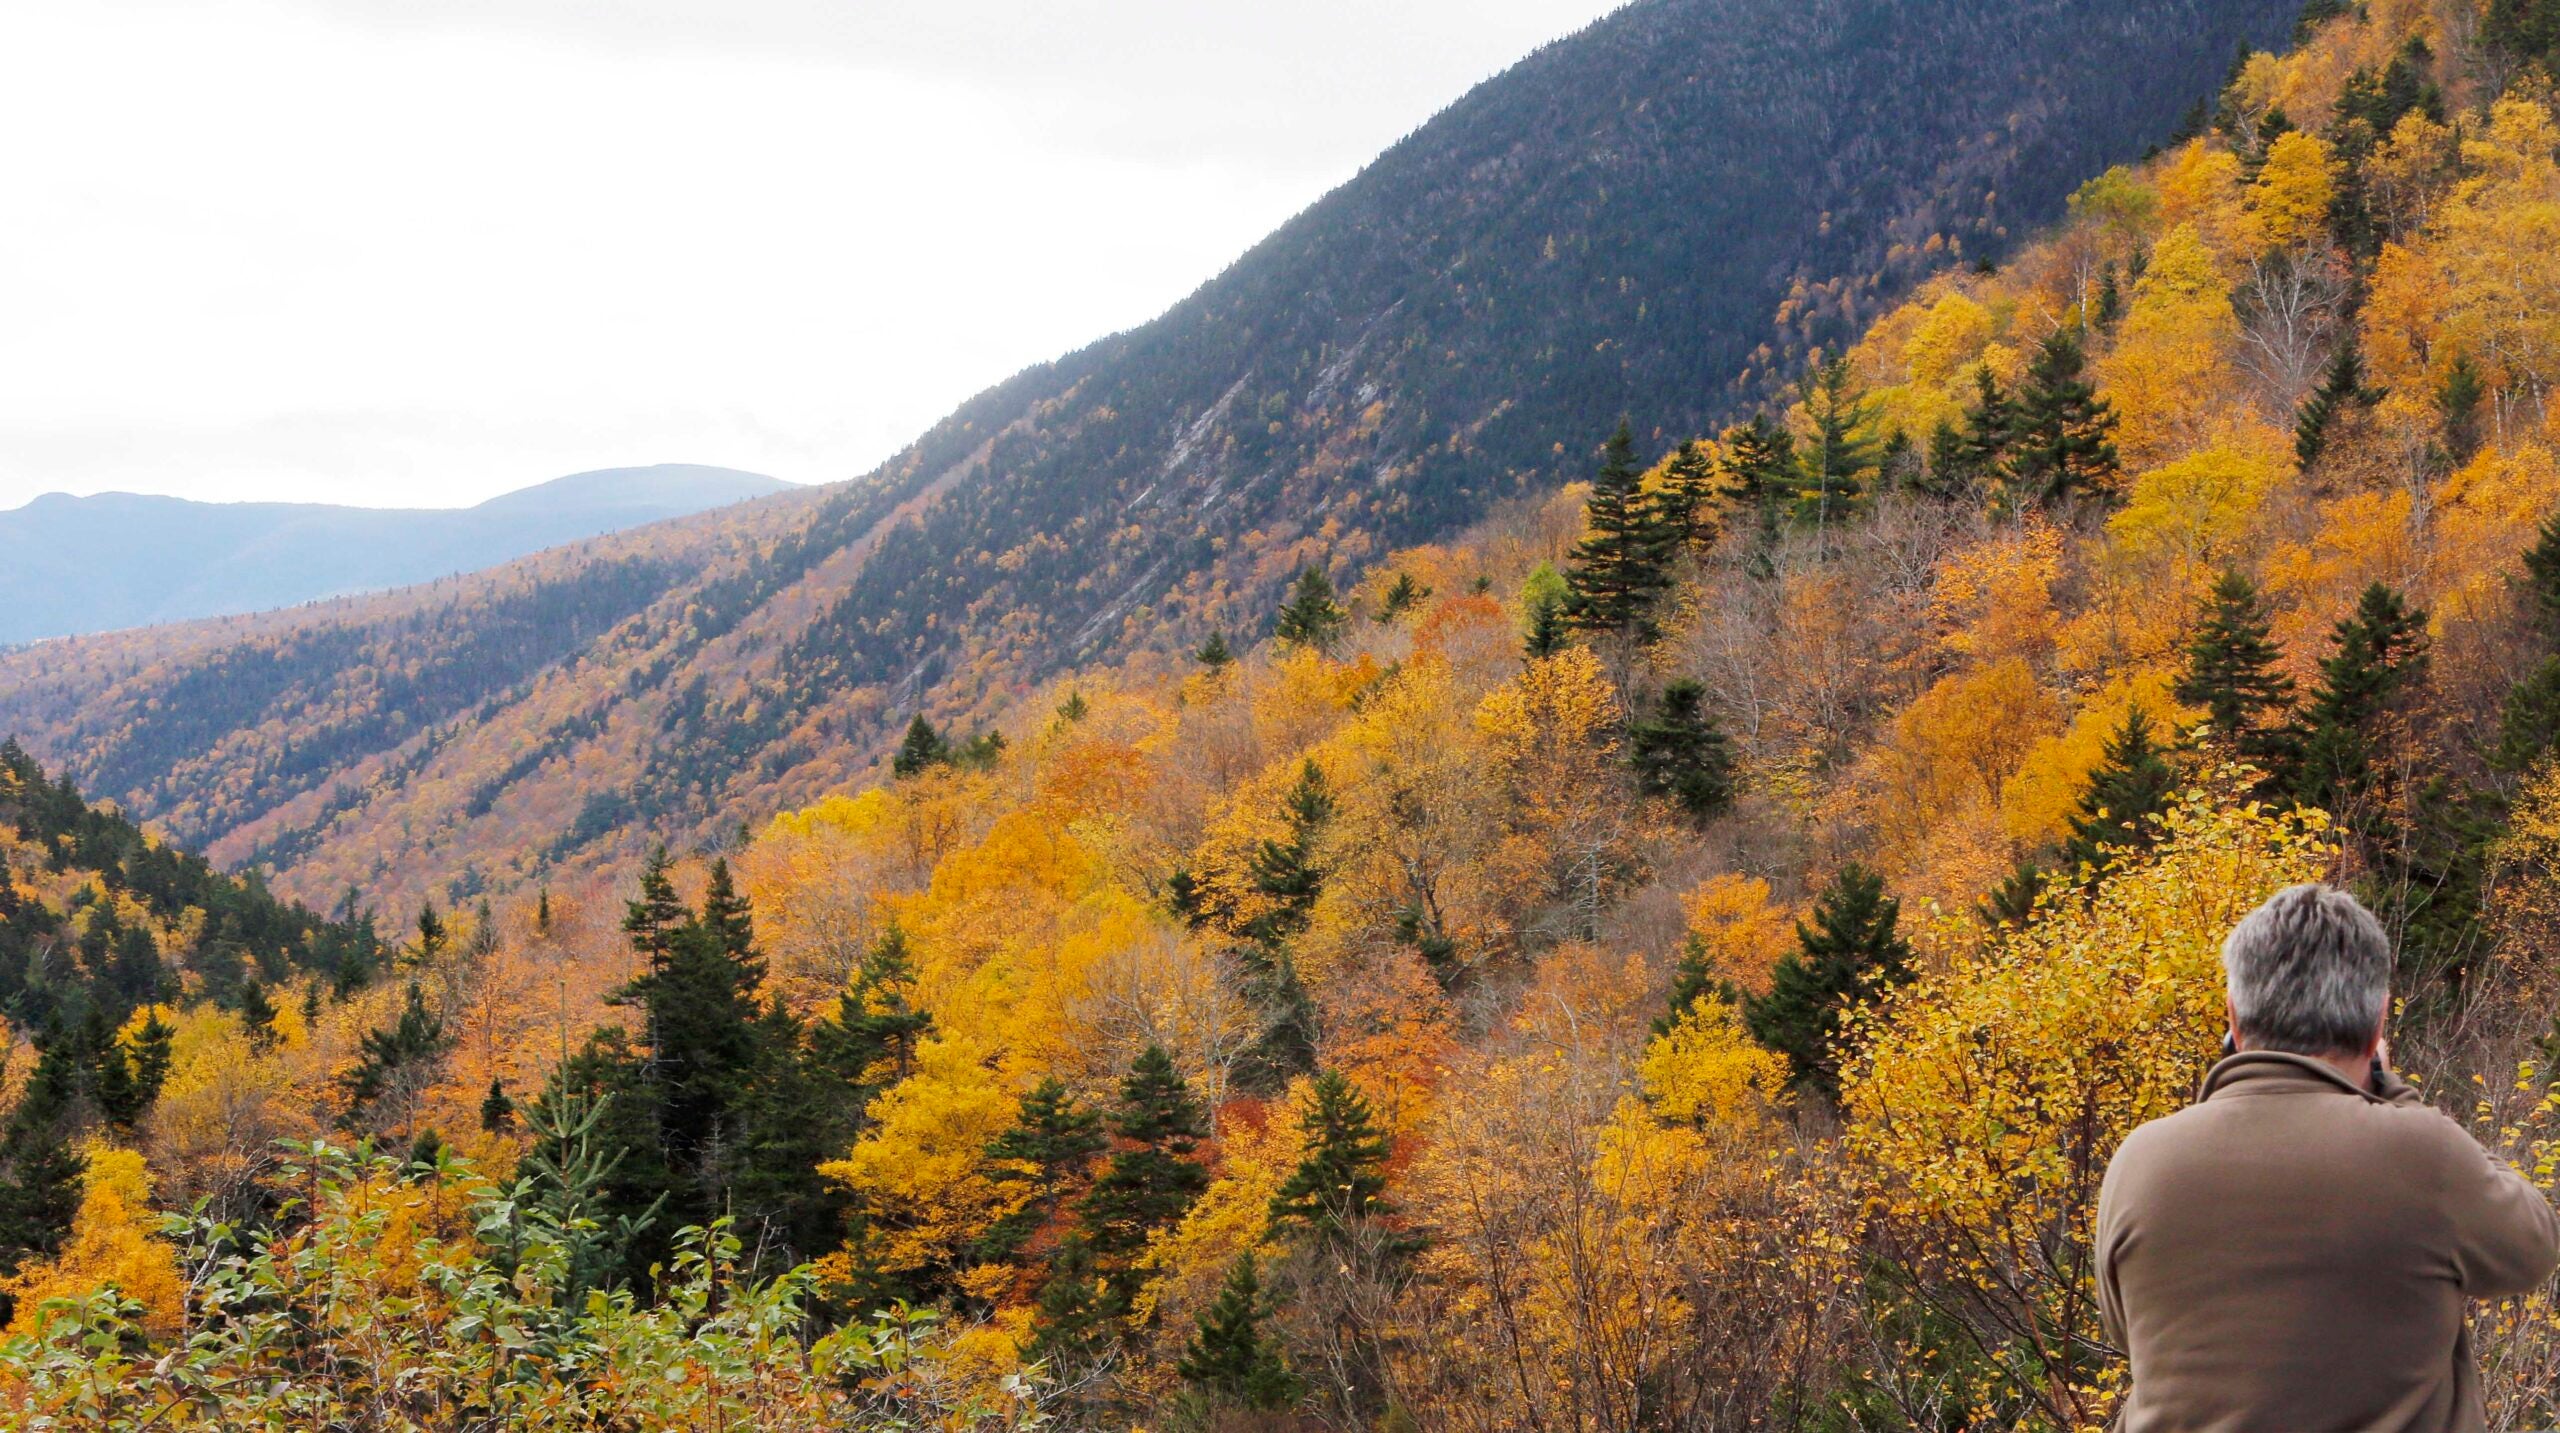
(2506, 1236)
(2110, 1299)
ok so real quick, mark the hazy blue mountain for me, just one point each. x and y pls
(95, 564)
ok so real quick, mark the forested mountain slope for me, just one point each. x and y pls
(94, 564)
(1654, 217)
(1676, 954)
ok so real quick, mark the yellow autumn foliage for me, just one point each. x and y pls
(2168, 373)
(1986, 1097)
(114, 1244)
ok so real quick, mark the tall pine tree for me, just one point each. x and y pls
(1685, 502)
(1680, 753)
(2341, 391)
(1152, 1179)
(1229, 1358)
(2530, 720)
(1853, 949)
(2380, 654)
(1620, 568)
(1761, 475)
(920, 750)
(1840, 451)
(1052, 1142)
(2233, 673)
(1980, 451)
(2119, 811)
(1341, 1178)
(1311, 618)
(2064, 441)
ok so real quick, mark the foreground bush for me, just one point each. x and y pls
(426, 1298)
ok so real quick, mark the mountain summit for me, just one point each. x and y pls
(1657, 217)
(94, 564)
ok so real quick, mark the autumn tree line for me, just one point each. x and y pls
(1679, 955)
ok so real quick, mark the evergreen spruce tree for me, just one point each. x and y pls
(790, 1118)
(1853, 950)
(40, 1167)
(432, 935)
(2381, 652)
(484, 931)
(1228, 1358)
(2529, 722)
(136, 977)
(2064, 434)
(110, 1074)
(1151, 1180)
(497, 1112)
(2340, 390)
(1761, 474)
(701, 999)
(649, 921)
(426, 1154)
(154, 1050)
(1543, 595)
(1402, 596)
(1213, 653)
(1287, 874)
(582, 1178)
(1899, 465)
(2013, 901)
(1052, 1141)
(1075, 1321)
(2542, 581)
(1547, 633)
(1680, 753)
(2110, 305)
(2460, 397)
(1693, 978)
(1620, 568)
(1311, 618)
(982, 752)
(871, 1041)
(731, 923)
(1841, 450)
(1286, 870)
(385, 1056)
(2126, 795)
(920, 751)
(1685, 504)
(1286, 1047)
(257, 1015)
(1980, 452)
(1341, 1178)
(2232, 672)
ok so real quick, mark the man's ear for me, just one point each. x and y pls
(2231, 1023)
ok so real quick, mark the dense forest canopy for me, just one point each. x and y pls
(1675, 954)
(1656, 217)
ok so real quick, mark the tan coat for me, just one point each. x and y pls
(2293, 1254)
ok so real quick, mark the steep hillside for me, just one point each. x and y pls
(1677, 954)
(1654, 217)
(94, 564)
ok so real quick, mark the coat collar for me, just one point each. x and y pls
(2275, 1072)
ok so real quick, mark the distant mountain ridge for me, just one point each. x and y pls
(114, 560)
(1656, 217)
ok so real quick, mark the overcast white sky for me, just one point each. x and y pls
(426, 251)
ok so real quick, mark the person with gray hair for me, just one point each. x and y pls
(2296, 1250)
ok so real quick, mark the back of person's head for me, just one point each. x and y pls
(2309, 973)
